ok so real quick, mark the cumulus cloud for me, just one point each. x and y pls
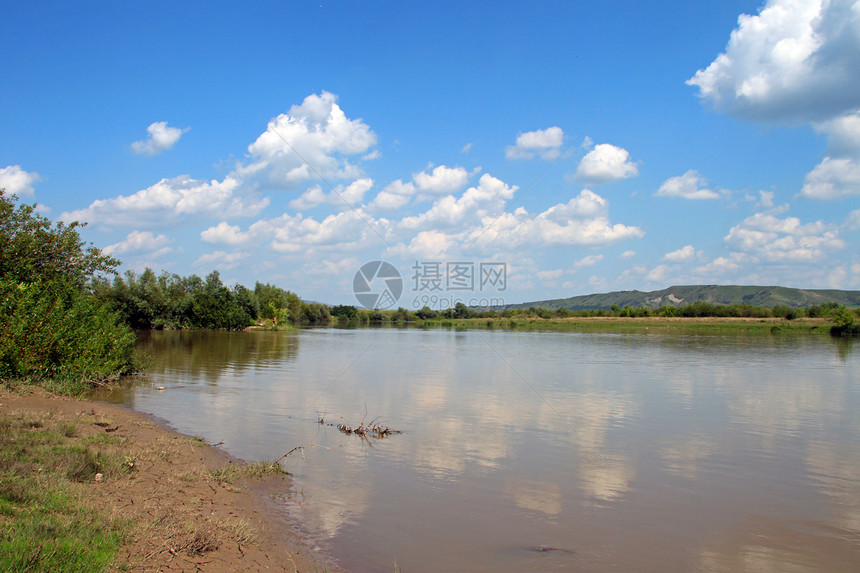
(478, 218)
(796, 60)
(584, 220)
(833, 178)
(485, 199)
(427, 245)
(343, 196)
(722, 265)
(659, 274)
(838, 174)
(161, 138)
(168, 201)
(441, 180)
(843, 134)
(141, 241)
(17, 181)
(773, 239)
(606, 163)
(313, 140)
(394, 196)
(587, 261)
(225, 234)
(544, 142)
(683, 255)
(221, 260)
(853, 219)
(690, 185)
(295, 234)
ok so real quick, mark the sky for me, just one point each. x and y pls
(495, 152)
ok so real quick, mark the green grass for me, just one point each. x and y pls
(44, 524)
(633, 325)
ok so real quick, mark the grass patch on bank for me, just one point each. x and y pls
(674, 325)
(45, 525)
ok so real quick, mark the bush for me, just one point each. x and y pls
(53, 331)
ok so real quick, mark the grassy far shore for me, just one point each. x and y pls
(90, 487)
(653, 324)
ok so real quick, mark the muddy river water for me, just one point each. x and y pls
(537, 451)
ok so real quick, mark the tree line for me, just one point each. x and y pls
(146, 301)
(66, 324)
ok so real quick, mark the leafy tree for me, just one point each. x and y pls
(32, 246)
(426, 313)
(216, 307)
(841, 317)
(343, 311)
(53, 330)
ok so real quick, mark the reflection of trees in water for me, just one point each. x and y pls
(845, 347)
(208, 354)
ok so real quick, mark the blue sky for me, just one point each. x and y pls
(588, 146)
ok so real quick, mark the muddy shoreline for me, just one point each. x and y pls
(184, 518)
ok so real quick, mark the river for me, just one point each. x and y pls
(537, 451)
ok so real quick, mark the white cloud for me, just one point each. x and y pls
(766, 199)
(627, 255)
(170, 200)
(606, 163)
(549, 275)
(687, 186)
(161, 138)
(546, 142)
(843, 134)
(221, 260)
(442, 180)
(659, 274)
(797, 60)
(485, 199)
(784, 240)
(722, 265)
(587, 261)
(224, 233)
(297, 234)
(478, 218)
(345, 197)
(396, 195)
(311, 141)
(583, 220)
(427, 245)
(683, 255)
(466, 148)
(17, 181)
(141, 241)
(853, 219)
(833, 178)
(310, 198)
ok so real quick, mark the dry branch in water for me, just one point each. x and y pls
(373, 430)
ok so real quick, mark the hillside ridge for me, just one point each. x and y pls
(681, 295)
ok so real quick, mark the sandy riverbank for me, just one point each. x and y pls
(183, 518)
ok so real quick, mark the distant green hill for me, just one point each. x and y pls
(764, 296)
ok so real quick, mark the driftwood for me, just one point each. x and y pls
(373, 429)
